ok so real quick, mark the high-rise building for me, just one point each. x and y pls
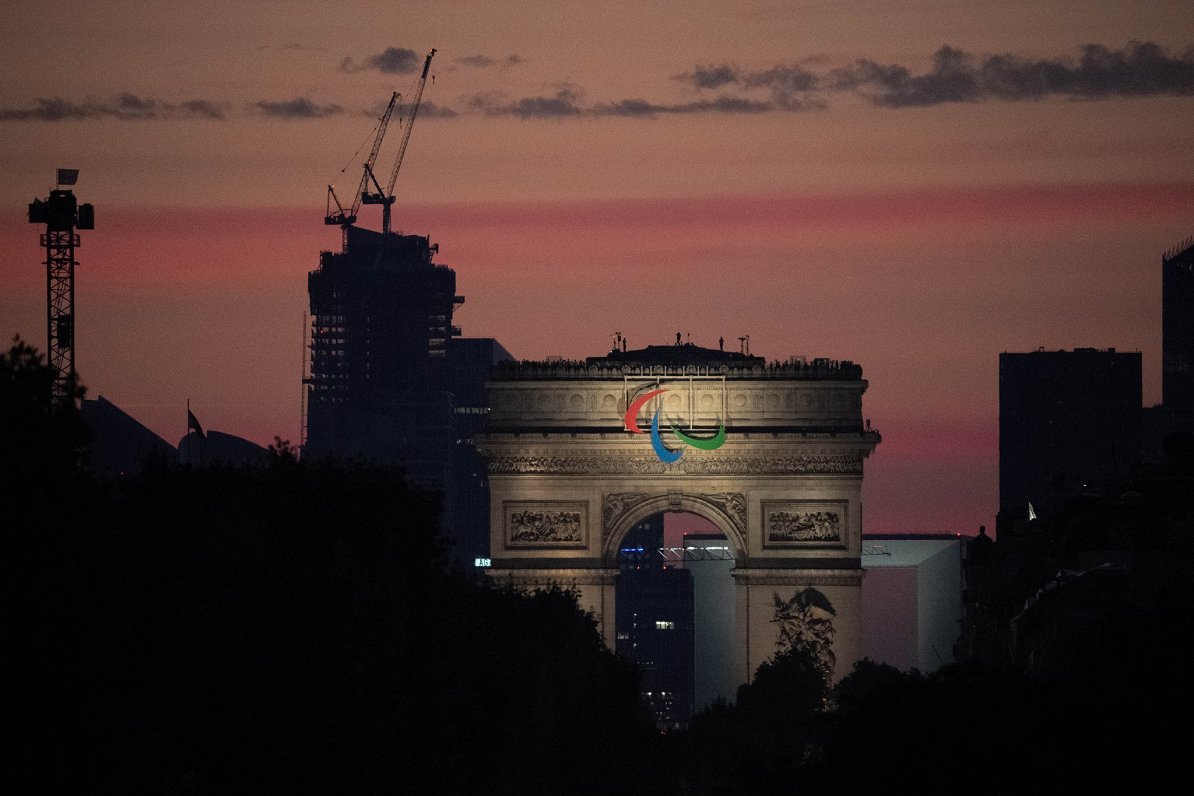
(654, 623)
(379, 385)
(390, 380)
(1169, 426)
(467, 507)
(1069, 421)
(1177, 328)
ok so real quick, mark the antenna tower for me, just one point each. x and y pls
(62, 215)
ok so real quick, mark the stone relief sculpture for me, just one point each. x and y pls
(732, 503)
(804, 526)
(806, 624)
(617, 504)
(539, 527)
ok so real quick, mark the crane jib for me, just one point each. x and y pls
(383, 196)
(388, 195)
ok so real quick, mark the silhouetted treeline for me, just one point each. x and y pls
(758, 744)
(295, 627)
(964, 729)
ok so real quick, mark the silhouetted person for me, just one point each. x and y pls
(721, 343)
(677, 338)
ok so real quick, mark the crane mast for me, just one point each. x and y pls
(385, 197)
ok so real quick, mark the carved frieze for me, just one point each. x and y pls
(499, 465)
(697, 465)
(805, 523)
(779, 465)
(545, 524)
(804, 526)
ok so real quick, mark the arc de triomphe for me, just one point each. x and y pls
(570, 473)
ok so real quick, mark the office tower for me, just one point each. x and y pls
(1069, 421)
(1177, 328)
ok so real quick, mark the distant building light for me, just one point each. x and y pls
(665, 625)
(482, 562)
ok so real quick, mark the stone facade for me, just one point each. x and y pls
(568, 481)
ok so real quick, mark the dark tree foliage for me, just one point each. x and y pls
(758, 744)
(982, 730)
(42, 445)
(291, 628)
(966, 727)
(295, 628)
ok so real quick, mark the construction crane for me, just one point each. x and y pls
(385, 198)
(347, 217)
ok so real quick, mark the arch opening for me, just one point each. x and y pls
(676, 612)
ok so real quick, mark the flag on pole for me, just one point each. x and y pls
(193, 424)
(68, 176)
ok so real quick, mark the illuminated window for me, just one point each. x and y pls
(665, 625)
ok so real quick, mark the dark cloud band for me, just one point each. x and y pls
(123, 106)
(564, 103)
(297, 108)
(390, 61)
(1139, 69)
(567, 103)
(485, 61)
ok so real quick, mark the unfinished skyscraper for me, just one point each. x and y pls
(384, 383)
(379, 382)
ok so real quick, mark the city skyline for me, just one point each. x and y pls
(644, 171)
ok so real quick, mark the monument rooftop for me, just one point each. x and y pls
(683, 354)
(685, 359)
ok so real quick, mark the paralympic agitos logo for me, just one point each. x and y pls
(668, 455)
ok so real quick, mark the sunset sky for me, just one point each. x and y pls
(915, 186)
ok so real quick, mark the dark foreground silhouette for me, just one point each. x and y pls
(295, 628)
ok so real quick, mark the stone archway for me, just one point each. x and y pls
(623, 511)
(567, 480)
